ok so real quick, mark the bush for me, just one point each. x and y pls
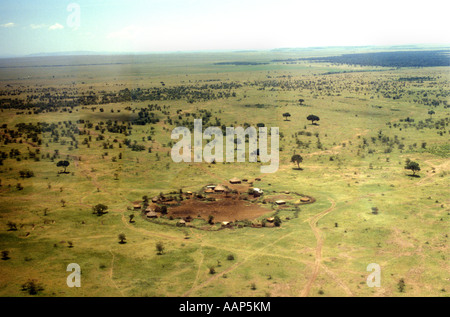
(32, 287)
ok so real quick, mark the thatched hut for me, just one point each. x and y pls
(152, 207)
(220, 189)
(235, 180)
(137, 205)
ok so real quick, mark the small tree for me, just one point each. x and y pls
(277, 221)
(413, 166)
(312, 118)
(286, 115)
(32, 287)
(131, 218)
(5, 255)
(211, 219)
(160, 248)
(401, 285)
(12, 226)
(63, 164)
(99, 209)
(431, 113)
(122, 238)
(297, 158)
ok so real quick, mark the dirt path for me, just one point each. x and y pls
(111, 273)
(436, 168)
(317, 263)
(233, 267)
(337, 280)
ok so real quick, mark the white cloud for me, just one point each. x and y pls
(8, 25)
(56, 26)
(37, 26)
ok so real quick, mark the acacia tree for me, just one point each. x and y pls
(312, 118)
(286, 115)
(122, 238)
(63, 164)
(413, 166)
(32, 287)
(301, 101)
(99, 209)
(297, 158)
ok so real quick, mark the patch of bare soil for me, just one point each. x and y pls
(223, 208)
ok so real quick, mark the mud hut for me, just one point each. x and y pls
(219, 189)
(235, 180)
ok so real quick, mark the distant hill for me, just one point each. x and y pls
(413, 58)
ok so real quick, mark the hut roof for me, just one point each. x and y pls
(219, 188)
(280, 202)
(235, 180)
(151, 207)
(152, 214)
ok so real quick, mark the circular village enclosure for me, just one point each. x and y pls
(217, 206)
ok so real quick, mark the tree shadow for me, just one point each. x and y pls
(413, 175)
(297, 169)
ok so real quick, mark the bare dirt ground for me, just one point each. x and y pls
(229, 208)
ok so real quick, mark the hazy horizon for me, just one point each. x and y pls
(418, 46)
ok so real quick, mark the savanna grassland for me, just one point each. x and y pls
(111, 117)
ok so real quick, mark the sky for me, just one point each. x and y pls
(46, 26)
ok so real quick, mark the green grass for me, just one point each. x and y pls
(408, 236)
